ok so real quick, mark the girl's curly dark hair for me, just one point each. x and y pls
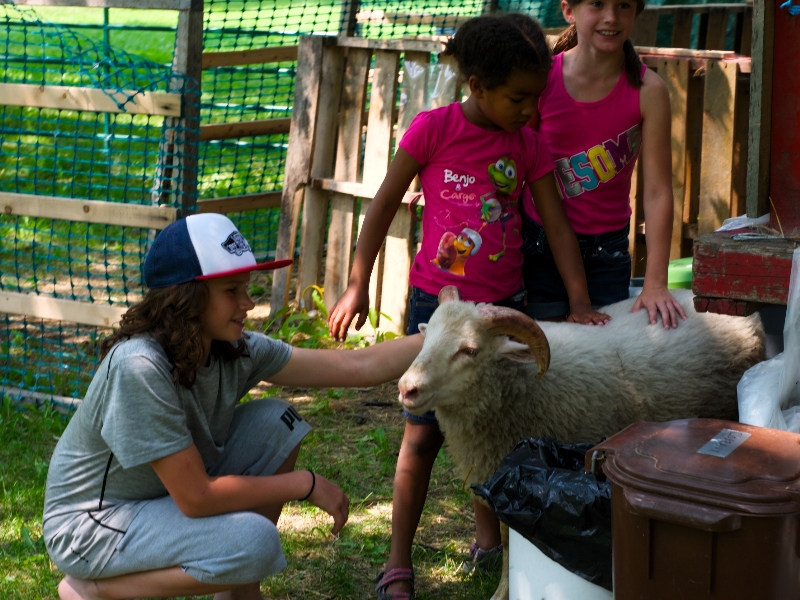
(172, 316)
(633, 64)
(490, 47)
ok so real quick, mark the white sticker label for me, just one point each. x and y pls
(725, 442)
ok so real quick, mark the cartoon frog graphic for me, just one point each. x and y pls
(454, 250)
(495, 206)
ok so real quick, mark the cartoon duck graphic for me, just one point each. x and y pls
(454, 250)
(495, 206)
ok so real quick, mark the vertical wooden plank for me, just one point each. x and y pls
(682, 28)
(182, 152)
(716, 163)
(315, 205)
(298, 159)
(746, 38)
(636, 237)
(740, 150)
(634, 194)
(645, 29)
(348, 162)
(758, 155)
(694, 146)
(400, 250)
(702, 31)
(717, 28)
(347, 21)
(675, 73)
(379, 143)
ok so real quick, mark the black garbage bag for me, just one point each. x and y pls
(542, 492)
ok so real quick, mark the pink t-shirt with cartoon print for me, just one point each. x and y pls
(471, 179)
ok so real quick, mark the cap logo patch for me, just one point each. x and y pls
(236, 244)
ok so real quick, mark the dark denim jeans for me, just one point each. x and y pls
(422, 307)
(605, 259)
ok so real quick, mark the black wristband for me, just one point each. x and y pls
(313, 483)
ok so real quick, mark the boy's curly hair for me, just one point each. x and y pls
(490, 47)
(172, 316)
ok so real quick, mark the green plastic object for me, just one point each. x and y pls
(679, 274)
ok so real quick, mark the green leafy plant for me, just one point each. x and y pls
(299, 327)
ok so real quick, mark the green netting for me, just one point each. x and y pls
(82, 155)
(121, 157)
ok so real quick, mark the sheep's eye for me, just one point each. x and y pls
(471, 352)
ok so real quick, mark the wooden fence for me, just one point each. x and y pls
(709, 92)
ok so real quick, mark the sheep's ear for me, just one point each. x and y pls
(423, 327)
(513, 350)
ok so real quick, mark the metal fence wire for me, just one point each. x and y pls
(119, 157)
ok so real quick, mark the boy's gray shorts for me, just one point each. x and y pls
(234, 548)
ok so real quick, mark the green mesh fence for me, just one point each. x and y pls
(80, 155)
(121, 158)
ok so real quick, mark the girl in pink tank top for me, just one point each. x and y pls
(601, 108)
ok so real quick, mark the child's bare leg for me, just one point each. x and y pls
(418, 451)
(273, 513)
(487, 527)
(163, 583)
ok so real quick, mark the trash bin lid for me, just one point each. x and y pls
(750, 469)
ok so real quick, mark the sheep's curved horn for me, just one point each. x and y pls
(507, 321)
(449, 293)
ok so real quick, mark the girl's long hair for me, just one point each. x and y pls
(633, 64)
(173, 317)
(492, 46)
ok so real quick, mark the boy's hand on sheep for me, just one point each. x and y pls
(586, 315)
(329, 497)
(354, 301)
(658, 300)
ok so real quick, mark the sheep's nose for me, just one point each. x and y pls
(407, 391)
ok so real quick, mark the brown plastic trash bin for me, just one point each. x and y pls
(704, 509)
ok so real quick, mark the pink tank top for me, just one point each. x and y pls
(595, 146)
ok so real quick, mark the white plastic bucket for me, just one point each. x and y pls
(534, 576)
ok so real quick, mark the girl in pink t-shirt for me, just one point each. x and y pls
(473, 160)
(600, 108)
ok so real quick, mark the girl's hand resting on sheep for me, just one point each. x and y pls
(586, 315)
(658, 300)
(354, 301)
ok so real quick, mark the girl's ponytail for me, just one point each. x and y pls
(567, 40)
(633, 65)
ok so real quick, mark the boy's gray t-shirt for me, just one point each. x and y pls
(133, 414)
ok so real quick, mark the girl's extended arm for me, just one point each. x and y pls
(565, 251)
(656, 160)
(355, 299)
(349, 368)
(198, 495)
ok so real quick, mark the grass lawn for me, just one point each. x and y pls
(355, 442)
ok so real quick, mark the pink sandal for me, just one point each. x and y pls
(385, 579)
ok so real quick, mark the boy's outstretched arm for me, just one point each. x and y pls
(369, 366)
(355, 300)
(566, 253)
(658, 202)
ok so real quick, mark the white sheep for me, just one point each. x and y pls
(495, 376)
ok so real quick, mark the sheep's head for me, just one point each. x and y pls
(459, 338)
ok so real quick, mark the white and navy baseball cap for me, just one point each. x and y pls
(203, 246)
